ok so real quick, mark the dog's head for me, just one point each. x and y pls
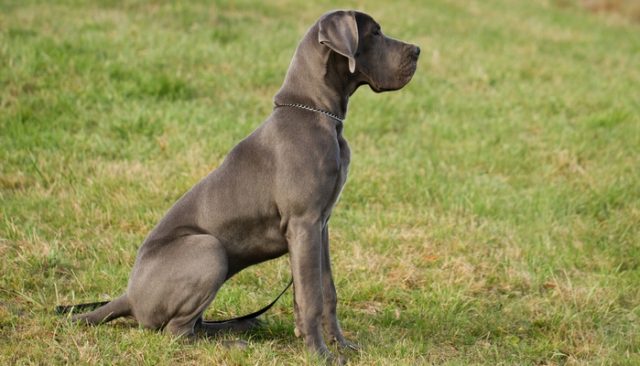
(373, 58)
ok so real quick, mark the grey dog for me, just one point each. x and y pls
(273, 193)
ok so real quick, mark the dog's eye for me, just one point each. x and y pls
(376, 32)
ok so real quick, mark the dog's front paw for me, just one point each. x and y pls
(346, 344)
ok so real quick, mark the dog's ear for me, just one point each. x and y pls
(339, 31)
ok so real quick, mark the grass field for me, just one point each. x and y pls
(492, 213)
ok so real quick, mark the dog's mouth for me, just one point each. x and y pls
(396, 79)
(403, 77)
(410, 70)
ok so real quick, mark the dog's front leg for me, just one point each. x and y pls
(305, 248)
(329, 314)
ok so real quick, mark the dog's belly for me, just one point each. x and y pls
(252, 241)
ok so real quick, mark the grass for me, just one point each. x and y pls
(492, 214)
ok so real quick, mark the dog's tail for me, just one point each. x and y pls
(106, 310)
(77, 308)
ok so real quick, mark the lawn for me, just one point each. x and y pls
(492, 212)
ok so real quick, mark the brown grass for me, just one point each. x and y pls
(626, 8)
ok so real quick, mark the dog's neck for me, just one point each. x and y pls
(317, 78)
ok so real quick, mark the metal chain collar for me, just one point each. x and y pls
(302, 106)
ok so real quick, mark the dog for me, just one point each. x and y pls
(273, 194)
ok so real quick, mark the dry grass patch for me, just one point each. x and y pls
(628, 9)
(625, 8)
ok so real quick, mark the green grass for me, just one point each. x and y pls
(492, 214)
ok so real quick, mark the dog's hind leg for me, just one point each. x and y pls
(175, 282)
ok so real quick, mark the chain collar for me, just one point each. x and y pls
(302, 106)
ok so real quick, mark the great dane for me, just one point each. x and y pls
(272, 195)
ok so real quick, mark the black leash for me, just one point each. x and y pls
(255, 314)
(89, 306)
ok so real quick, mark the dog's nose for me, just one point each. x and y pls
(414, 52)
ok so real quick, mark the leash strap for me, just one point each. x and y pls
(255, 314)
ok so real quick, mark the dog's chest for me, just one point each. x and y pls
(345, 158)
